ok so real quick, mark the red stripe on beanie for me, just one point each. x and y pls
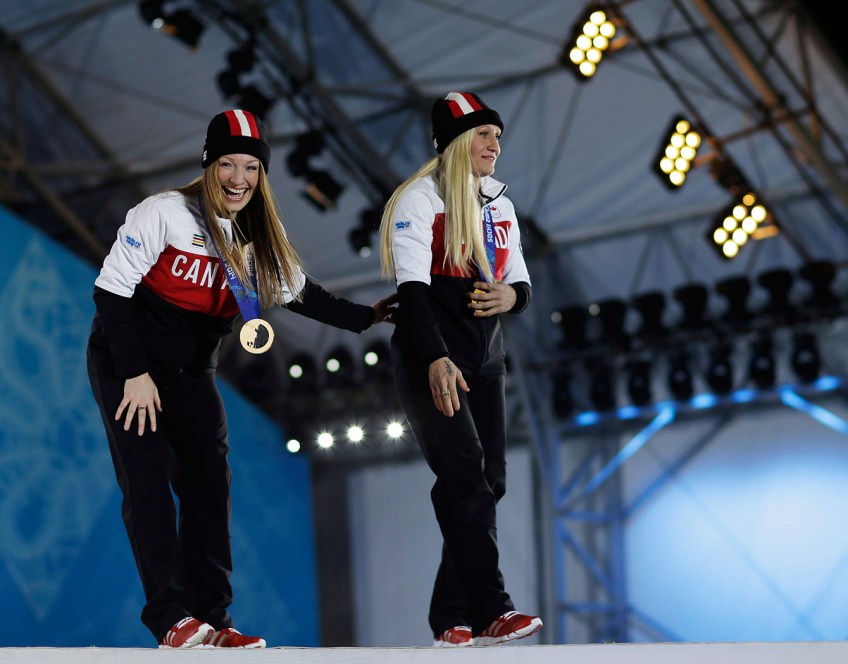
(235, 127)
(455, 106)
(254, 130)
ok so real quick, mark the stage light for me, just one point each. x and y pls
(339, 365)
(651, 307)
(355, 434)
(761, 369)
(720, 370)
(153, 13)
(677, 152)
(820, 276)
(240, 60)
(806, 361)
(778, 283)
(394, 430)
(590, 38)
(377, 353)
(612, 314)
(228, 83)
(181, 24)
(252, 99)
(639, 382)
(573, 321)
(322, 189)
(243, 58)
(377, 361)
(602, 385)
(306, 146)
(736, 291)
(325, 440)
(693, 299)
(301, 369)
(293, 445)
(561, 399)
(680, 376)
(738, 223)
(360, 241)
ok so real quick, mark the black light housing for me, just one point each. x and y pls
(322, 189)
(639, 382)
(680, 376)
(806, 360)
(720, 370)
(761, 368)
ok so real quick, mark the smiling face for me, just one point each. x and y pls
(238, 175)
(485, 148)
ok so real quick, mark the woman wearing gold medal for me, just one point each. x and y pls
(450, 239)
(185, 263)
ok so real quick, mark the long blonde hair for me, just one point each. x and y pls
(276, 263)
(459, 188)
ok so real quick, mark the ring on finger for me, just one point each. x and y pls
(446, 393)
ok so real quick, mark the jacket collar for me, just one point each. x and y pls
(491, 189)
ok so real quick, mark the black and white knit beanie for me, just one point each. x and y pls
(236, 132)
(457, 113)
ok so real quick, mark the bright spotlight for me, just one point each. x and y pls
(333, 365)
(325, 440)
(371, 358)
(394, 430)
(589, 39)
(747, 218)
(293, 446)
(295, 371)
(355, 433)
(677, 152)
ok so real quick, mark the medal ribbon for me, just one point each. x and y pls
(247, 296)
(488, 241)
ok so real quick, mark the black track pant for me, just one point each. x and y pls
(467, 454)
(183, 556)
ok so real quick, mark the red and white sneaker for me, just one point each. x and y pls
(232, 638)
(508, 627)
(455, 637)
(188, 633)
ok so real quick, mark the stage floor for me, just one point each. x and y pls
(630, 653)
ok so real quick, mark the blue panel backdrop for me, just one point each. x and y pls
(67, 577)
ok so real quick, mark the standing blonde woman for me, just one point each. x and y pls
(450, 239)
(186, 262)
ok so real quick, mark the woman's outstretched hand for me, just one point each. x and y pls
(384, 309)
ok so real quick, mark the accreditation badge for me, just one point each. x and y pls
(256, 336)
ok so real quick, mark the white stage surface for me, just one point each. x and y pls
(631, 653)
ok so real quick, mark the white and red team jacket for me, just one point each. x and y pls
(165, 246)
(163, 299)
(441, 324)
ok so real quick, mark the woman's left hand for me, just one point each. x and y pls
(495, 298)
(383, 309)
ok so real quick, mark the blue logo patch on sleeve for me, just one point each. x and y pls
(401, 225)
(130, 240)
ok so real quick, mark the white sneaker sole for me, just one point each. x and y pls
(445, 644)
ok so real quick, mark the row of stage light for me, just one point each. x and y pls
(615, 361)
(354, 434)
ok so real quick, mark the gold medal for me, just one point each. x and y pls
(256, 336)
